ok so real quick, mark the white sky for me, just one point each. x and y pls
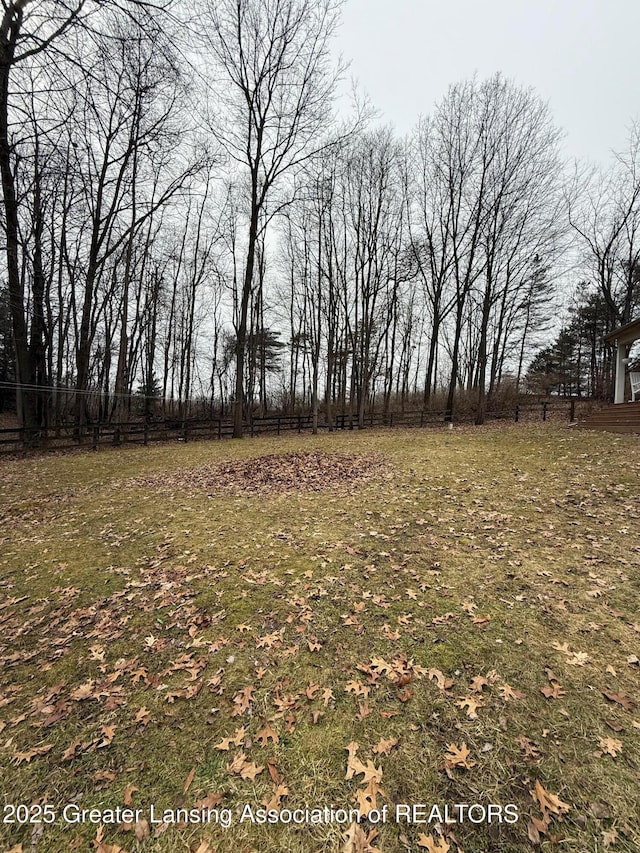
(581, 56)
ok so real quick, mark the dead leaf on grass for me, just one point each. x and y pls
(433, 845)
(458, 756)
(189, 780)
(143, 716)
(552, 690)
(384, 747)
(610, 745)
(242, 701)
(26, 757)
(621, 699)
(107, 735)
(507, 692)
(244, 768)
(129, 791)
(279, 792)
(351, 748)
(357, 841)
(266, 734)
(477, 683)
(141, 830)
(236, 739)
(102, 847)
(471, 704)
(548, 802)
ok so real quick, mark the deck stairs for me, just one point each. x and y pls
(623, 417)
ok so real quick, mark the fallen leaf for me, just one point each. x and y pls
(244, 768)
(433, 845)
(458, 756)
(507, 692)
(478, 682)
(601, 811)
(529, 748)
(108, 733)
(143, 716)
(141, 830)
(280, 791)
(70, 752)
(549, 802)
(351, 748)
(189, 780)
(265, 734)
(128, 794)
(622, 699)
(552, 691)
(536, 827)
(443, 682)
(357, 841)
(612, 746)
(209, 802)
(366, 798)
(236, 739)
(25, 757)
(384, 747)
(471, 704)
(242, 701)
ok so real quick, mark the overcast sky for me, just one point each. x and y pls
(582, 56)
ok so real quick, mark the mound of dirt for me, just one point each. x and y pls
(312, 471)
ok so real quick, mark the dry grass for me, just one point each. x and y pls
(475, 589)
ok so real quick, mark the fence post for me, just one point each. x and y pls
(96, 436)
(252, 428)
(278, 425)
(517, 414)
(422, 418)
(544, 411)
(391, 419)
(572, 411)
(299, 423)
(146, 432)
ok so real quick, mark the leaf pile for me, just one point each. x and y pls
(274, 473)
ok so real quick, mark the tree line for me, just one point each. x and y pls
(187, 221)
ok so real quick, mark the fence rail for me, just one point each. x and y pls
(17, 440)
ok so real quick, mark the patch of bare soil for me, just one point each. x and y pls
(276, 473)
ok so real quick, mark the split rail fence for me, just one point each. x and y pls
(17, 440)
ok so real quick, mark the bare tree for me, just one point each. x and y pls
(524, 220)
(276, 87)
(485, 215)
(606, 216)
(20, 43)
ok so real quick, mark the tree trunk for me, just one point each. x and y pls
(241, 332)
(25, 369)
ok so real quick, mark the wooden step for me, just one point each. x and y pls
(622, 417)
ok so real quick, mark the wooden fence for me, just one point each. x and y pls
(19, 440)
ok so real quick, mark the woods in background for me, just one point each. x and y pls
(187, 221)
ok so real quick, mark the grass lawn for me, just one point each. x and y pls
(377, 620)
